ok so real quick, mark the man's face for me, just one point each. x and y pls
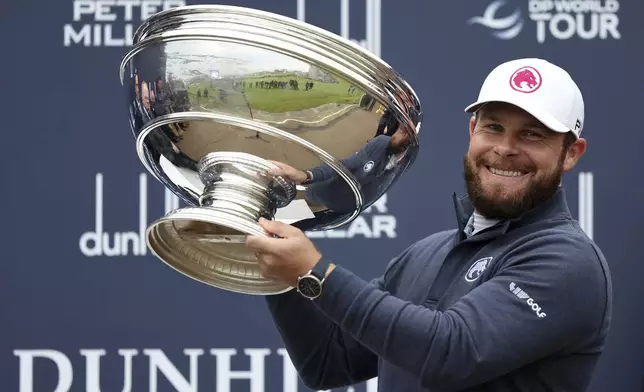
(399, 140)
(514, 162)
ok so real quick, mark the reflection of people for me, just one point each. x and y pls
(162, 141)
(137, 92)
(160, 91)
(517, 298)
(387, 123)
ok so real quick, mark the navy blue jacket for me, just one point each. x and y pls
(521, 306)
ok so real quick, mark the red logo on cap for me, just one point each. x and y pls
(525, 80)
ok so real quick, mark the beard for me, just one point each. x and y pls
(493, 206)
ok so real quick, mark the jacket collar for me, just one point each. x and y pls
(555, 206)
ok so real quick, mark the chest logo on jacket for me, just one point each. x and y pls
(477, 268)
(368, 166)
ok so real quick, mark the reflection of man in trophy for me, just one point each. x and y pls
(515, 298)
(371, 166)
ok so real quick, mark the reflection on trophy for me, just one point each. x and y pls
(245, 114)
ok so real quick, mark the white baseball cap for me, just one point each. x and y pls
(539, 87)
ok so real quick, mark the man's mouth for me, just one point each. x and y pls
(506, 173)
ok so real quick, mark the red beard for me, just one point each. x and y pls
(539, 189)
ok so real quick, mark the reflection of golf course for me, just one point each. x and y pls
(287, 100)
(323, 112)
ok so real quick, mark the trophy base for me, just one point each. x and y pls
(208, 245)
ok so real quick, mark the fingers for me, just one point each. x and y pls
(281, 169)
(277, 163)
(276, 172)
(261, 244)
(267, 263)
(267, 244)
(281, 229)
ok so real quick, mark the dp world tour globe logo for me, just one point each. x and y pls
(525, 80)
(503, 27)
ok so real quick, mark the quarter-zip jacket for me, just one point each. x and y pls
(522, 306)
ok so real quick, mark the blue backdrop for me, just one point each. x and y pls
(105, 315)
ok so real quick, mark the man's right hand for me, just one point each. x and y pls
(295, 175)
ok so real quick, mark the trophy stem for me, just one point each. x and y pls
(240, 183)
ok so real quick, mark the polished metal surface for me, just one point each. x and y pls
(231, 106)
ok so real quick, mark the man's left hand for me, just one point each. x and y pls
(286, 258)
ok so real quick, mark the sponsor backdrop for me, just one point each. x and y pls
(87, 308)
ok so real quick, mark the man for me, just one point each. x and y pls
(517, 298)
(372, 166)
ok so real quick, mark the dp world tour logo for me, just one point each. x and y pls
(525, 80)
(551, 19)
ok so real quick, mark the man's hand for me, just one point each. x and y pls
(283, 259)
(295, 175)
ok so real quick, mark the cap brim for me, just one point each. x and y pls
(545, 118)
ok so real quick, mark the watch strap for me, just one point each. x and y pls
(319, 270)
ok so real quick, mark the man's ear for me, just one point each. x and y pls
(472, 124)
(574, 153)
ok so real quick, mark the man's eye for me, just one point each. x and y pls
(495, 127)
(533, 135)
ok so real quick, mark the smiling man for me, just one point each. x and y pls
(517, 298)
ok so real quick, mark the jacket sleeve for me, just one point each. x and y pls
(324, 355)
(352, 163)
(550, 297)
(325, 172)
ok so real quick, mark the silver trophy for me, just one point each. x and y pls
(245, 114)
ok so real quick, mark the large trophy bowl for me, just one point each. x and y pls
(245, 114)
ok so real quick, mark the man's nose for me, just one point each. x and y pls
(507, 146)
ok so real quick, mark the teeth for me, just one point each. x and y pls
(506, 173)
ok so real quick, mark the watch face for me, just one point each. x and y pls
(309, 287)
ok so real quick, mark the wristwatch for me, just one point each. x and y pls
(310, 284)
